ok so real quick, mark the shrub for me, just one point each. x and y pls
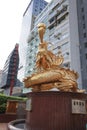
(3, 108)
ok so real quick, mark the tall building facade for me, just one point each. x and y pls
(0, 76)
(66, 22)
(10, 70)
(33, 9)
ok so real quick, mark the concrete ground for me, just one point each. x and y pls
(3, 126)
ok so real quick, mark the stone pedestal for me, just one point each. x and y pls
(56, 111)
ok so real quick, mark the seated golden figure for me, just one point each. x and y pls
(46, 59)
(49, 72)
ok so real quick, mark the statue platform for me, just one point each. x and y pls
(55, 110)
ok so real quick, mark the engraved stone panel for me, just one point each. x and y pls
(78, 106)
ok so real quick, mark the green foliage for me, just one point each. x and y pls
(5, 98)
(3, 108)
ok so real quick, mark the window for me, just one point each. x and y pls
(51, 27)
(67, 53)
(83, 17)
(31, 50)
(34, 61)
(29, 71)
(83, 25)
(85, 44)
(67, 65)
(86, 55)
(84, 34)
(51, 20)
(36, 46)
(61, 19)
(82, 9)
(65, 46)
(30, 64)
(40, 8)
(86, 68)
(35, 10)
(30, 57)
(31, 44)
(36, 39)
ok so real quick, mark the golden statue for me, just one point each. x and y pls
(49, 72)
(46, 59)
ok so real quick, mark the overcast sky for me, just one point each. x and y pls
(11, 12)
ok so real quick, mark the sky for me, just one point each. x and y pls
(11, 14)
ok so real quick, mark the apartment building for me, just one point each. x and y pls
(34, 8)
(10, 71)
(66, 23)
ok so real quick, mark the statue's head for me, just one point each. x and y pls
(41, 25)
(41, 30)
